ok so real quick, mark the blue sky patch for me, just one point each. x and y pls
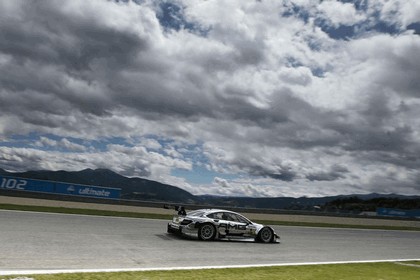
(297, 12)
(171, 17)
(414, 26)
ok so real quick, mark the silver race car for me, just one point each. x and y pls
(210, 224)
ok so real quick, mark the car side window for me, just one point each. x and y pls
(226, 216)
(217, 216)
(230, 217)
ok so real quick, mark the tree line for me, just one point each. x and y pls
(355, 204)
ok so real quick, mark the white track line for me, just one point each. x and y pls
(57, 271)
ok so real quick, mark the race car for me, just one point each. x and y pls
(211, 224)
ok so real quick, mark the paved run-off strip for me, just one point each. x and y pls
(61, 271)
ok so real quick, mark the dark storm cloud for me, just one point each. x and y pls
(152, 97)
(235, 104)
(250, 53)
(405, 75)
(336, 172)
(52, 46)
(62, 58)
(274, 172)
(291, 122)
(64, 46)
(375, 129)
(285, 175)
(49, 35)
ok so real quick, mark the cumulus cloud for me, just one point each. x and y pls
(129, 161)
(288, 97)
(401, 13)
(222, 182)
(63, 143)
(338, 13)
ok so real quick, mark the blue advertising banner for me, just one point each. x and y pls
(398, 212)
(32, 185)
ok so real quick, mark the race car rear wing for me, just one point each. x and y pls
(180, 209)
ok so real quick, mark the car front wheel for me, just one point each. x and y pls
(206, 232)
(265, 235)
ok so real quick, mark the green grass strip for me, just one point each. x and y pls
(308, 224)
(365, 271)
(64, 210)
(93, 212)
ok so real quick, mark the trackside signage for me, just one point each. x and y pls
(32, 185)
(398, 212)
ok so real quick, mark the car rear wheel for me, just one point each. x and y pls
(265, 235)
(206, 232)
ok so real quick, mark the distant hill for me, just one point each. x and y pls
(300, 203)
(371, 202)
(266, 202)
(131, 188)
(143, 189)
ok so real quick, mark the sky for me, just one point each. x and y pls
(232, 98)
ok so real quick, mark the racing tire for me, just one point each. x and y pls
(206, 232)
(265, 235)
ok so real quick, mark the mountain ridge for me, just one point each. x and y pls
(143, 189)
(131, 188)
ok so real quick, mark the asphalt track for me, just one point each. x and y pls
(31, 241)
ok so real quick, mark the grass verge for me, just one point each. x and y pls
(365, 271)
(94, 212)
